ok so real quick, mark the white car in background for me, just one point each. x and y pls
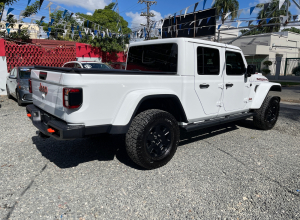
(86, 65)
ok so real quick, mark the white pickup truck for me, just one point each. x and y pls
(169, 84)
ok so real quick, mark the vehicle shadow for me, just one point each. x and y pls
(67, 154)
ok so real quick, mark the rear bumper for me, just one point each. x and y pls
(63, 131)
(26, 96)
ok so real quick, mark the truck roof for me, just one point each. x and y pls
(183, 39)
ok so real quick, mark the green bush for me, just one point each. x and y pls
(266, 71)
(267, 63)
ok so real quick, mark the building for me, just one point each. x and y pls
(263, 47)
(33, 29)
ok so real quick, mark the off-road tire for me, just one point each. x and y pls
(18, 99)
(142, 127)
(8, 93)
(261, 119)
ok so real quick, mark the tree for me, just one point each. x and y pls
(58, 24)
(108, 44)
(225, 6)
(31, 9)
(107, 19)
(264, 14)
(4, 3)
(292, 29)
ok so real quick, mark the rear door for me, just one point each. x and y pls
(47, 91)
(208, 77)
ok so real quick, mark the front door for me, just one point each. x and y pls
(12, 82)
(236, 88)
(208, 77)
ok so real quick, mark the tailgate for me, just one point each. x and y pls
(47, 91)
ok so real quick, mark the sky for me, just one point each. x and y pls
(130, 9)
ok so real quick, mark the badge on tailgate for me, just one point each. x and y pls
(43, 90)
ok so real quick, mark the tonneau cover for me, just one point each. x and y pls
(100, 71)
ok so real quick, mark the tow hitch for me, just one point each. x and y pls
(43, 136)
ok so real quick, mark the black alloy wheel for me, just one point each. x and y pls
(272, 112)
(159, 141)
(266, 116)
(152, 138)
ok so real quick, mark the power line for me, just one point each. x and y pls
(148, 15)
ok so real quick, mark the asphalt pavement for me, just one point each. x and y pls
(226, 172)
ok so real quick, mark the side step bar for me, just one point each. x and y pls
(211, 123)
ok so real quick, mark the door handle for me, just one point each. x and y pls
(204, 86)
(229, 85)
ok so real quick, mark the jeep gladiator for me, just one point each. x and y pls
(169, 85)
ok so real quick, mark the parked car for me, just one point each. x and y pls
(17, 84)
(183, 83)
(86, 65)
(118, 65)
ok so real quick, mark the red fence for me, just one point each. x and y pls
(53, 53)
(30, 55)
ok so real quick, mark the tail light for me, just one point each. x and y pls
(72, 97)
(30, 86)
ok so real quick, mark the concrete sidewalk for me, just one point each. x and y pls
(289, 94)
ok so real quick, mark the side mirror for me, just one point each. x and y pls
(251, 69)
(12, 77)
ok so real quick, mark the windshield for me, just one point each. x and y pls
(95, 66)
(24, 73)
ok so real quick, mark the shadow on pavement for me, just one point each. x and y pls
(67, 154)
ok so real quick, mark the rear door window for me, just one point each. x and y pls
(208, 61)
(156, 57)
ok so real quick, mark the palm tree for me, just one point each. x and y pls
(275, 15)
(225, 6)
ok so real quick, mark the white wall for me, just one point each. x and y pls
(3, 75)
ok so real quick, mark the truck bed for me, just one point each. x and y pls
(101, 71)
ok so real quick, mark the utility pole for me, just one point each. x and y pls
(50, 13)
(119, 22)
(148, 15)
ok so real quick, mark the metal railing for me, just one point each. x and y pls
(292, 67)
